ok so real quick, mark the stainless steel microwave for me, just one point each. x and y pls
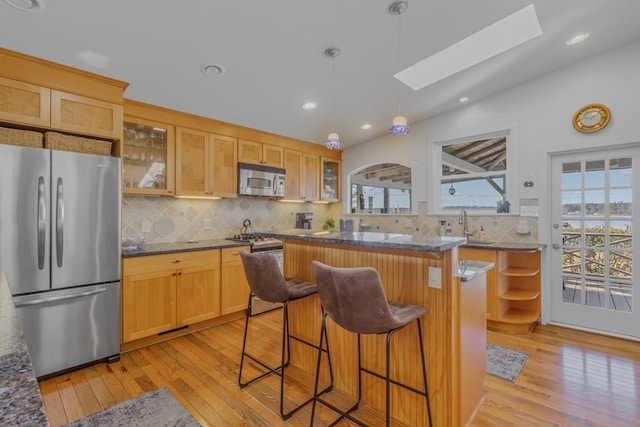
(257, 180)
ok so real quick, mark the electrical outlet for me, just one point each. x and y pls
(146, 226)
(207, 224)
(435, 277)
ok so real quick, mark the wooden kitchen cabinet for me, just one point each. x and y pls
(24, 103)
(331, 170)
(234, 287)
(519, 288)
(33, 105)
(303, 175)
(165, 292)
(513, 287)
(260, 154)
(148, 157)
(87, 116)
(206, 164)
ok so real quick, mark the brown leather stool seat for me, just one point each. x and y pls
(267, 282)
(355, 300)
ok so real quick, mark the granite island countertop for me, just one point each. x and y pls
(506, 246)
(167, 248)
(20, 400)
(371, 239)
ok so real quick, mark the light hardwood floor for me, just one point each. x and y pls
(571, 378)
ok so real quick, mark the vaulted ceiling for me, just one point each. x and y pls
(272, 54)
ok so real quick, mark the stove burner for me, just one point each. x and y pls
(247, 237)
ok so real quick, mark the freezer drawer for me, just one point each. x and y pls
(70, 327)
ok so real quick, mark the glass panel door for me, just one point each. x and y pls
(593, 221)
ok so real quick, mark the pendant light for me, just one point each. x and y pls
(399, 127)
(333, 140)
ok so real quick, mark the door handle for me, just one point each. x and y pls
(60, 298)
(556, 246)
(59, 223)
(42, 223)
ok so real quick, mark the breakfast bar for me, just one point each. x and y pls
(417, 270)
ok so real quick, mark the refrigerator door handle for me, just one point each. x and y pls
(42, 223)
(59, 223)
(19, 303)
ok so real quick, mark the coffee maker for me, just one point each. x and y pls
(303, 220)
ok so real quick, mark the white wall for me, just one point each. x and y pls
(541, 111)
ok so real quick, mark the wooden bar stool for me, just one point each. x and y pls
(267, 282)
(355, 300)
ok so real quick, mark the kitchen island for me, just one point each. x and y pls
(418, 270)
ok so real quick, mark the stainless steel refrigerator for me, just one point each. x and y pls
(60, 251)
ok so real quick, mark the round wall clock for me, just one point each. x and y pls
(591, 118)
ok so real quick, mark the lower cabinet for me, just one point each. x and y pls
(235, 289)
(513, 287)
(165, 292)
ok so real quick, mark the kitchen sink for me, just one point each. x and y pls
(480, 242)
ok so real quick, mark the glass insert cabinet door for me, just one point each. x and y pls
(147, 158)
(330, 180)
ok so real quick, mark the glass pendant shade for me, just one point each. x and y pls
(399, 127)
(333, 141)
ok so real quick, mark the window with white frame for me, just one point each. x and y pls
(475, 175)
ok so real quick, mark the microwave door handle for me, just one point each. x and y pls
(274, 184)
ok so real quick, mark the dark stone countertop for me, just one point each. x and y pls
(371, 239)
(505, 246)
(167, 248)
(20, 400)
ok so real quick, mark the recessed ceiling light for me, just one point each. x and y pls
(579, 38)
(212, 70)
(365, 126)
(497, 38)
(28, 5)
(309, 106)
(464, 99)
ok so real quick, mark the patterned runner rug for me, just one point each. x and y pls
(157, 408)
(504, 362)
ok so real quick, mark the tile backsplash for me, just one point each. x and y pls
(200, 219)
(197, 219)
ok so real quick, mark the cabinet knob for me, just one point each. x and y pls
(180, 273)
(173, 274)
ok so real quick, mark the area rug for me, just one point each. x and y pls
(157, 408)
(504, 362)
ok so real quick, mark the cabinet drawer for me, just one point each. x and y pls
(232, 254)
(169, 262)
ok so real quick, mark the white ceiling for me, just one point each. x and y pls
(273, 54)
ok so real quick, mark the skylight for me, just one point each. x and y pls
(505, 34)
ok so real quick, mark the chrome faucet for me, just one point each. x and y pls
(462, 219)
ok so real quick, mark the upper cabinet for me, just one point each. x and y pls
(40, 94)
(79, 114)
(206, 164)
(303, 175)
(148, 157)
(331, 170)
(24, 103)
(260, 154)
(33, 105)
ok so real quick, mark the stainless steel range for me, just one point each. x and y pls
(262, 244)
